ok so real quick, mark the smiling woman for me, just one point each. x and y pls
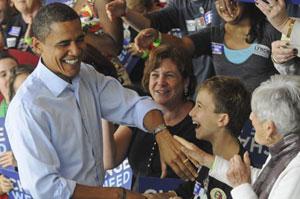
(169, 79)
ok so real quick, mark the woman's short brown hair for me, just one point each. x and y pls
(179, 56)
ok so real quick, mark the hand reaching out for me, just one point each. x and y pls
(275, 11)
(5, 185)
(145, 38)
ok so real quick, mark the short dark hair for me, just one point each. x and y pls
(4, 54)
(231, 97)
(16, 71)
(179, 56)
(51, 13)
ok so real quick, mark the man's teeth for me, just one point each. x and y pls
(197, 125)
(73, 61)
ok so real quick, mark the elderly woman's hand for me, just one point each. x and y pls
(239, 171)
(7, 159)
(275, 10)
(282, 52)
(5, 185)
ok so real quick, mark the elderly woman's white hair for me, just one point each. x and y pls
(278, 100)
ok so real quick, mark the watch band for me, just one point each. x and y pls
(159, 128)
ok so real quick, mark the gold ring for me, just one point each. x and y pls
(185, 161)
(221, 8)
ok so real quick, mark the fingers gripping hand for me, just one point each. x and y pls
(5, 184)
(145, 38)
(171, 154)
(239, 171)
(8, 159)
(281, 52)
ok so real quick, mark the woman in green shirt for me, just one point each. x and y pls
(7, 62)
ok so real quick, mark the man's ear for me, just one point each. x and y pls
(37, 46)
(223, 119)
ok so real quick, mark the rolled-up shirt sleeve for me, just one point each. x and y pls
(38, 162)
(127, 108)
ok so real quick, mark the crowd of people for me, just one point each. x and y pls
(73, 109)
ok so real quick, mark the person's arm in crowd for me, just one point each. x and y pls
(5, 185)
(128, 108)
(287, 185)
(285, 58)
(217, 165)
(164, 195)
(88, 192)
(109, 145)
(146, 37)
(113, 28)
(275, 11)
(115, 145)
(117, 9)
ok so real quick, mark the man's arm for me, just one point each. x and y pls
(125, 107)
(88, 192)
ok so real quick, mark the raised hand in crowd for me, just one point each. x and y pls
(7, 159)
(145, 38)
(116, 9)
(239, 171)
(5, 185)
(282, 52)
(227, 5)
(275, 11)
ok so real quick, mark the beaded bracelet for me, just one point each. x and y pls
(154, 44)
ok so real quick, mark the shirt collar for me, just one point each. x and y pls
(54, 83)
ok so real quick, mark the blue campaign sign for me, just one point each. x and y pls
(287, 1)
(121, 176)
(17, 192)
(4, 142)
(158, 185)
(258, 153)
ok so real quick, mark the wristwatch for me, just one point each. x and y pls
(159, 128)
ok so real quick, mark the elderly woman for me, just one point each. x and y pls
(275, 117)
(168, 77)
